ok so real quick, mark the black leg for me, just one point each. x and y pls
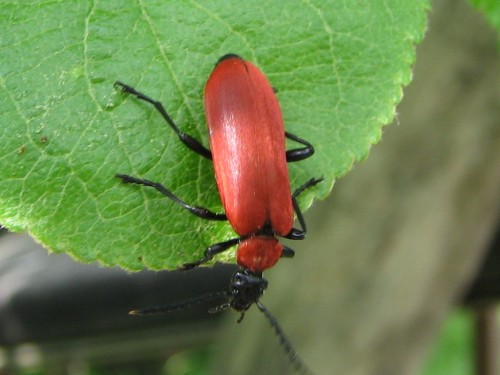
(298, 154)
(287, 252)
(299, 234)
(210, 252)
(189, 141)
(195, 210)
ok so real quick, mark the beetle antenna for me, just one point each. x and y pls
(217, 309)
(183, 304)
(294, 358)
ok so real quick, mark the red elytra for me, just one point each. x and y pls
(247, 140)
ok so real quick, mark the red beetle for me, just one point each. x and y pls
(247, 139)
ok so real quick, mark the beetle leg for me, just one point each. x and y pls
(298, 154)
(210, 252)
(296, 234)
(300, 234)
(189, 141)
(195, 210)
(287, 252)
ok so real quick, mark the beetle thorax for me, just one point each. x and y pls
(258, 253)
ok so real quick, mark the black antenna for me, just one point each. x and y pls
(218, 309)
(183, 304)
(294, 358)
(246, 288)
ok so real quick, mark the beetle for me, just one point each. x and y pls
(248, 150)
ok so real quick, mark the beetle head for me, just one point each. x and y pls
(246, 288)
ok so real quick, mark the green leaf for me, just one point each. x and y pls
(491, 9)
(65, 132)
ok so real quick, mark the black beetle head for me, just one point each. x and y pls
(246, 288)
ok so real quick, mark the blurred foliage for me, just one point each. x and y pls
(453, 352)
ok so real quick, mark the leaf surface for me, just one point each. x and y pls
(339, 68)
